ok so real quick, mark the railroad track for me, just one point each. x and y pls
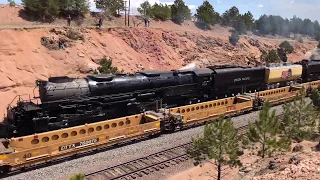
(148, 164)
(143, 166)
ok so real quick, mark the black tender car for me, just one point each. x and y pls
(228, 80)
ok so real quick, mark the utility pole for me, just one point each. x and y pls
(125, 13)
(129, 14)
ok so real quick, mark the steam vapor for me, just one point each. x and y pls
(190, 66)
(313, 54)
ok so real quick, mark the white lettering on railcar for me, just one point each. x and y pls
(81, 143)
(242, 79)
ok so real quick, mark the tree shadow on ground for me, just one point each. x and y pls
(202, 26)
(25, 15)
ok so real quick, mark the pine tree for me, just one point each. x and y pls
(287, 46)
(106, 67)
(315, 97)
(11, 2)
(145, 9)
(75, 8)
(161, 12)
(271, 57)
(45, 10)
(300, 118)
(206, 14)
(248, 20)
(230, 17)
(113, 7)
(219, 142)
(265, 131)
(180, 12)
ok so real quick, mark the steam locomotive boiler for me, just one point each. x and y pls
(70, 102)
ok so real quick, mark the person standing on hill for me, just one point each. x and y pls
(69, 20)
(100, 22)
(146, 22)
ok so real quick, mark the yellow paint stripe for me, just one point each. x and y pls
(35, 153)
(55, 148)
(102, 137)
(132, 130)
(3, 157)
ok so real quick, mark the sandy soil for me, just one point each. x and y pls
(164, 46)
(303, 164)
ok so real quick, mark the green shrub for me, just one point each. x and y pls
(287, 46)
(271, 57)
(12, 3)
(106, 67)
(78, 176)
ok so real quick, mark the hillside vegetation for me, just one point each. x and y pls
(49, 10)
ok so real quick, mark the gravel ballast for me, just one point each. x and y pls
(104, 159)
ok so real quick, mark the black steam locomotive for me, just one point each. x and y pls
(67, 102)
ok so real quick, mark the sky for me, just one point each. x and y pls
(285, 8)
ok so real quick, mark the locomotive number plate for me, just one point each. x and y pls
(78, 144)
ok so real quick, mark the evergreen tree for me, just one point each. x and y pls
(230, 17)
(240, 25)
(287, 46)
(248, 20)
(145, 9)
(106, 67)
(300, 117)
(160, 12)
(76, 8)
(111, 6)
(270, 57)
(180, 12)
(45, 10)
(11, 2)
(265, 131)
(219, 142)
(206, 14)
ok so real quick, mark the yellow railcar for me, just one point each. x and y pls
(27, 150)
(283, 74)
(198, 113)
(276, 96)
